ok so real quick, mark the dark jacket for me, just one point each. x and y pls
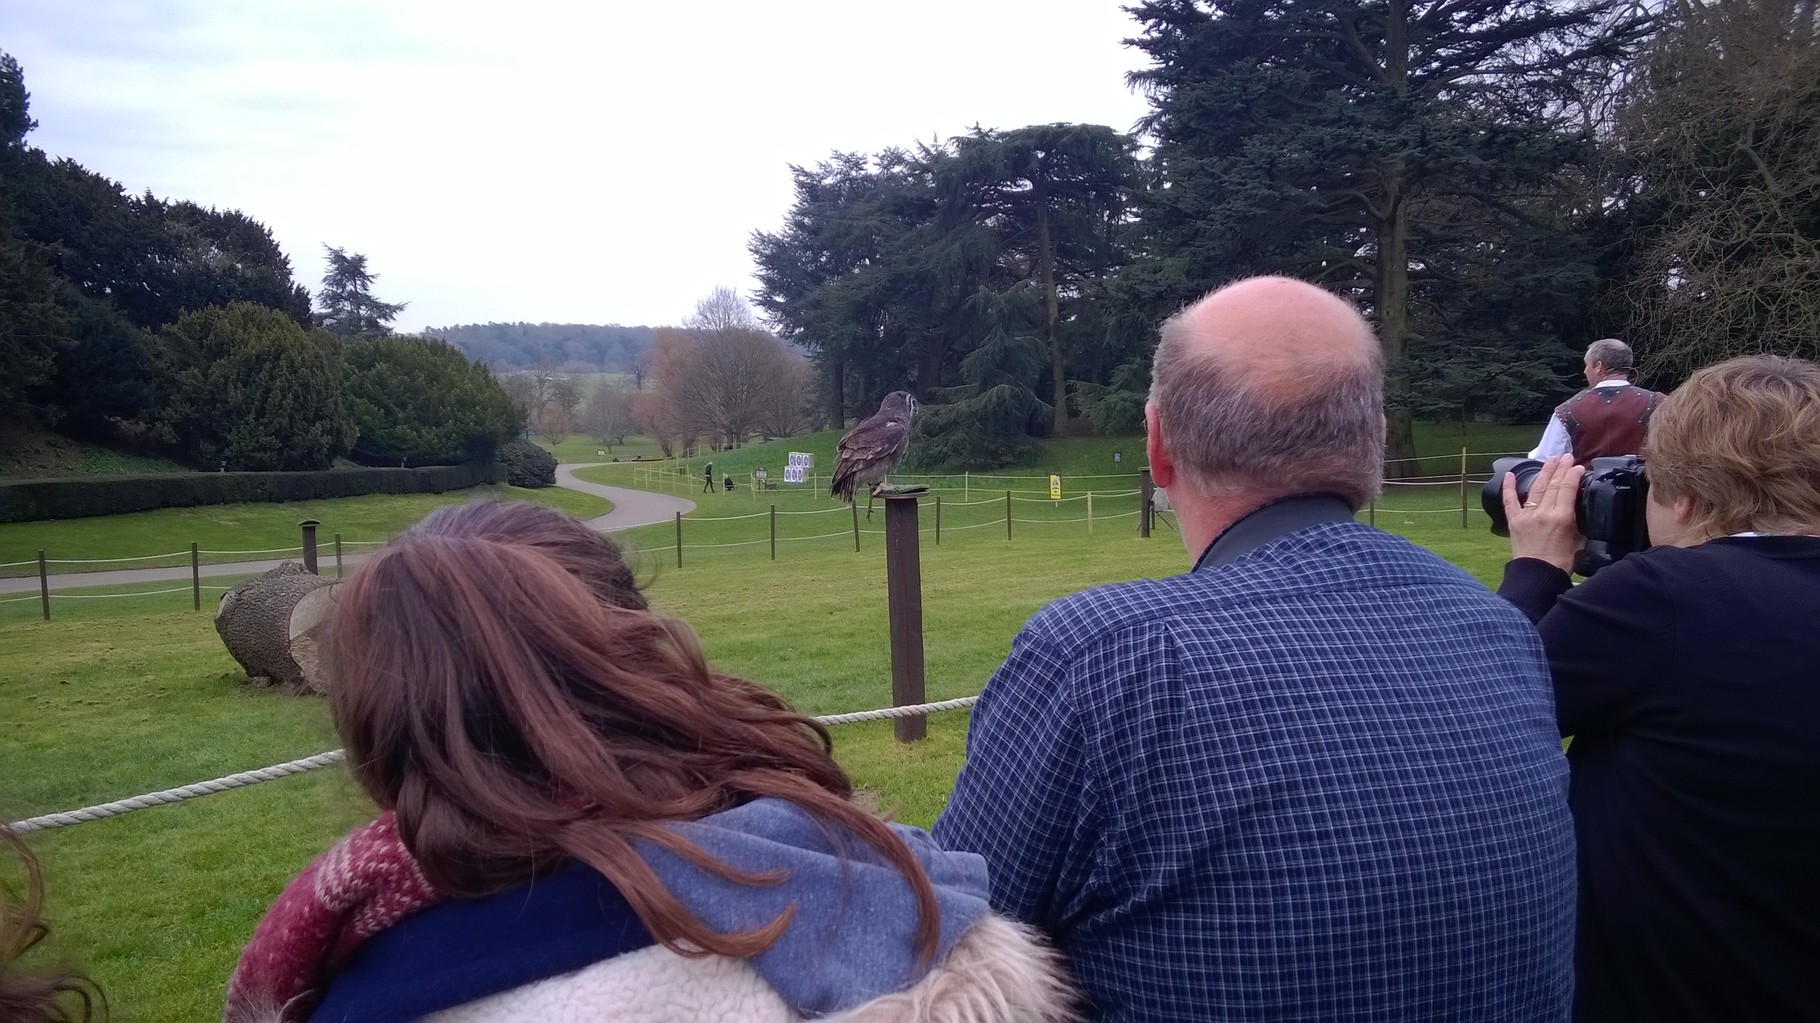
(1690, 681)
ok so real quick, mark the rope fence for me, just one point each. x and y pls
(725, 534)
(165, 797)
(308, 550)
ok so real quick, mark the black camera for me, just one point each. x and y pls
(1608, 509)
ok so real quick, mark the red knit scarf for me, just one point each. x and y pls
(366, 883)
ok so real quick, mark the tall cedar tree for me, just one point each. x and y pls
(1342, 141)
(345, 307)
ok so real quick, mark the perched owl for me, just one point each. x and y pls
(870, 451)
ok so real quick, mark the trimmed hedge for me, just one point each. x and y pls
(74, 498)
(527, 465)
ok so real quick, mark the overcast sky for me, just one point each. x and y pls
(531, 160)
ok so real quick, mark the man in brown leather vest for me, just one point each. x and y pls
(1607, 418)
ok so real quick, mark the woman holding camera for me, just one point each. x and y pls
(582, 820)
(1688, 676)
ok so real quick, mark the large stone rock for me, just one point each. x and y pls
(274, 624)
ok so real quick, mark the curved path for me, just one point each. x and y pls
(631, 509)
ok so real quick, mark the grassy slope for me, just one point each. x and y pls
(248, 526)
(111, 699)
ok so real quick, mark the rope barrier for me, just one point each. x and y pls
(818, 536)
(17, 564)
(812, 511)
(103, 561)
(165, 797)
(268, 550)
(106, 596)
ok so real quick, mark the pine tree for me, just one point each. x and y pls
(345, 306)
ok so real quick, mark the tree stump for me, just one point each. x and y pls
(273, 624)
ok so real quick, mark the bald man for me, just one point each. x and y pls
(1315, 778)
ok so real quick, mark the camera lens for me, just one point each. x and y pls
(1492, 497)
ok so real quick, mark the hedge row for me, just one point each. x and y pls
(31, 500)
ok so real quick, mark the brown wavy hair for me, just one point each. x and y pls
(58, 997)
(500, 684)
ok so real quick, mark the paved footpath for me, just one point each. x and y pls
(631, 509)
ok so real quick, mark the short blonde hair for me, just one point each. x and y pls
(1742, 439)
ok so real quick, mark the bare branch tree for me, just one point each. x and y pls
(1721, 129)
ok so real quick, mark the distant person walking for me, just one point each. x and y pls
(707, 478)
(1609, 417)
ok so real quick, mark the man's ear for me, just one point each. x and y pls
(1162, 470)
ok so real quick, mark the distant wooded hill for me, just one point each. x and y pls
(572, 347)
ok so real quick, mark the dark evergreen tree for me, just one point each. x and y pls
(1055, 198)
(1341, 141)
(345, 307)
(247, 387)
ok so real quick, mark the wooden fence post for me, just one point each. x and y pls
(855, 507)
(195, 576)
(309, 545)
(1089, 513)
(679, 539)
(1463, 489)
(337, 555)
(938, 520)
(1145, 490)
(1007, 514)
(44, 584)
(774, 532)
(904, 602)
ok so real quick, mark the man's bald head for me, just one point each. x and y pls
(1272, 386)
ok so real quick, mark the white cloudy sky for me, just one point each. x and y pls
(536, 160)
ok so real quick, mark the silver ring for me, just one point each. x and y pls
(1529, 504)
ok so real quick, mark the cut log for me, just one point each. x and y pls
(273, 624)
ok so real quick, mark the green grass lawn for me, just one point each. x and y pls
(117, 697)
(587, 449)
(243, 527)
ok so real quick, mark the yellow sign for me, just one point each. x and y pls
(1055, 487)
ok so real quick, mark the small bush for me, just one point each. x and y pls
(524, 464)
(74, 498)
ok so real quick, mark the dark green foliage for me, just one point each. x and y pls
(986, 421)
(15, 105)
(34, 500)
(345, 306)
(247, 386)
(419, 401)
(895, 271)
(1390, 150)
(524, 464)
(1117, 407)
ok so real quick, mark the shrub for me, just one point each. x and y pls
(31, 500)
(245, 385)
(524, 464)
(421, 401)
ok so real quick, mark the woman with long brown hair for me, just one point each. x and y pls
(28, 996)
(583, 820)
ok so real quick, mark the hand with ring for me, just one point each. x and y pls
(1544, 527)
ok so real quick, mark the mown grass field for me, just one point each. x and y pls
(117, 697)
(244, 527)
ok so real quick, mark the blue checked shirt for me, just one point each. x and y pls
(1322, 782)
